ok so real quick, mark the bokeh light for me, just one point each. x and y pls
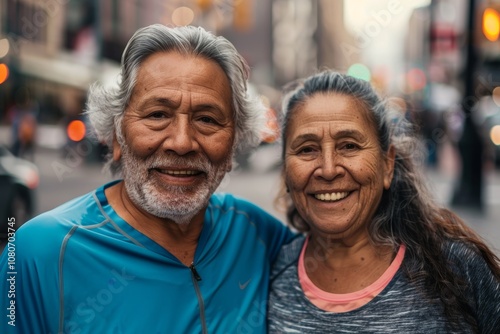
(4, 47)
(398, 104)
(76, 130)
(4, 73)
(359, 71)
(416, 79)
(182, 16)
(495, 135)
(496, 95)
(491, 24)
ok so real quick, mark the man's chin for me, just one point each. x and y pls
(180, 208)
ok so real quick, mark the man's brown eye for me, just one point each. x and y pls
(157, 114)
(206, 119)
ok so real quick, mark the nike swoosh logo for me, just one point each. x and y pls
(244, 285)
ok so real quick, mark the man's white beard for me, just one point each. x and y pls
(177, 203)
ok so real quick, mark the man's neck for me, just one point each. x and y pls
(179, 239)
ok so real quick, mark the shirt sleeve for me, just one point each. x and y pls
(486, 292)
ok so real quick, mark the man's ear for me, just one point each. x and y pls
(389, 166)
(117, 150)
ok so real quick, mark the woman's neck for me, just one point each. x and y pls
(339, 267)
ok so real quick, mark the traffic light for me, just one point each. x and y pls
(488, 32)
(491, 24)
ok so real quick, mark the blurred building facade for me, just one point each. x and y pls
(57, 48)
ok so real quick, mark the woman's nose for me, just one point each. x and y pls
(329, 166)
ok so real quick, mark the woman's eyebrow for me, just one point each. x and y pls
(306, 137)
(350, 133)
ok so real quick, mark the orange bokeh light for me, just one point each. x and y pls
(416, 79)
(4, 73)
(76, 130)
(491, 24)
(495, 135)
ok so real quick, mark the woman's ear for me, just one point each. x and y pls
(390, 157)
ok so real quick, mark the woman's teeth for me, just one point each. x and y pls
(331, 196)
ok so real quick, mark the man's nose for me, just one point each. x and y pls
(181, 137)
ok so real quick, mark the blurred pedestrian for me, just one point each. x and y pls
(379, 254)
(23, 116)
(156, 251)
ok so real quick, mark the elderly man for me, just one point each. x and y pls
(158, 251)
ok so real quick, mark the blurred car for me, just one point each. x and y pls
(19, 179)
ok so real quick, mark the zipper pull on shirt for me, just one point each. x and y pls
(194, 272)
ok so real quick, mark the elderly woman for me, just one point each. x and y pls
(379, 255)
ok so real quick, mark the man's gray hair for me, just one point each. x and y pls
(105, 107)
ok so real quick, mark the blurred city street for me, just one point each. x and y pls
(366, 95)
(61, 179)
(437, 61)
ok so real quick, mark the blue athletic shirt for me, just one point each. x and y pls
(80, 268)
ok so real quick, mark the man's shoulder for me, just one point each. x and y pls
(226, 202)
(51, 227)
(74, 211)
(234, 210)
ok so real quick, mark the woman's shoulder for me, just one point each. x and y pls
(461, 251)
(467, 260)
(288, 255)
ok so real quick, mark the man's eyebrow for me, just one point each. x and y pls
(160, 100)
(208, 106)
(174, 104)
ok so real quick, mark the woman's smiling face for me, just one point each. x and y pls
(335, 169)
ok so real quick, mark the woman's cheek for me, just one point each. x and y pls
(297, 174)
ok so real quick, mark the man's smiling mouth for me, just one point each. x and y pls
(178, 172)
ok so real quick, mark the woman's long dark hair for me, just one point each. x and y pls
(407, 213)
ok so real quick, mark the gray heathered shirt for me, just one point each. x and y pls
(399, 308)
